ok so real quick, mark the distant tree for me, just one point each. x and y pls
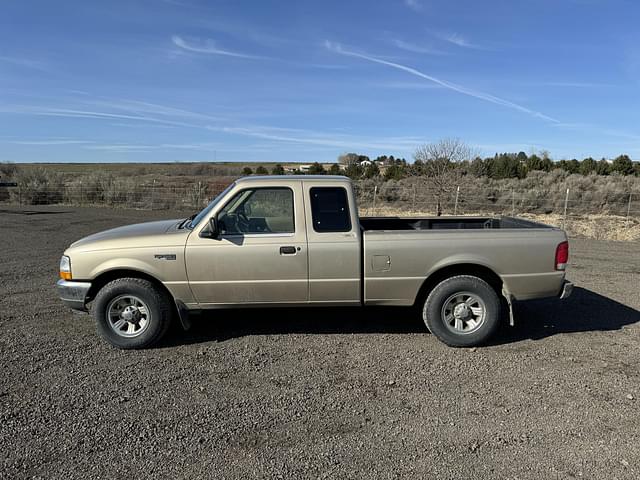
(277, 170)
(521, 157)
(588, 165)
(247, 171)
(479, 167)
(261, 170)
(603, 167)
(507, 165)
(571, 166)
(547, 162)
(533, 162)
(335, 169)
(316, 169)
(636, 169)
(371, 171)
(354, 171)
(395, 172)
(440, 161)
(623, 165)
(347, 159)
(417, 168)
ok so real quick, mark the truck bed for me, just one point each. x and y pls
(446, 223)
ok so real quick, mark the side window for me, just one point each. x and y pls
(330, 209)
(259, 210)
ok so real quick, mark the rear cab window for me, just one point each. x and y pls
(330, 209)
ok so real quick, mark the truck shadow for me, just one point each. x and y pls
(584, 311)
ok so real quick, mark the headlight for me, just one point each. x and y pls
(65, 268)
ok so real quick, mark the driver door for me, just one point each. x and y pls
(260, 255)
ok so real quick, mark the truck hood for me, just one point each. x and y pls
(161, 233)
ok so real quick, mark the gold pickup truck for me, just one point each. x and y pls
(298, 241)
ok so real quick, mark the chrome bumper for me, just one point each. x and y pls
(73, 294)
(567, 288)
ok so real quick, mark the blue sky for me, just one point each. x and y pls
(197, 80)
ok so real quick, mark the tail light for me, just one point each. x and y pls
(562, 255)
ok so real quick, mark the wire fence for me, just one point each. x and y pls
(374, 200)
(403, 200)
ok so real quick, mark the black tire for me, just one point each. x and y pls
(159, 305)
(447, 292)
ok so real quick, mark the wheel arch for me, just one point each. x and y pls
(477, 270)
(105, 277)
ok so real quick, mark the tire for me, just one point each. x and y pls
(132, 313)
(462, 311)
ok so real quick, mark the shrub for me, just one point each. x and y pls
(38, 186)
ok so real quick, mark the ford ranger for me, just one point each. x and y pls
(298, 241)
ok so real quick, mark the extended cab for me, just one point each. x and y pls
(298, 240)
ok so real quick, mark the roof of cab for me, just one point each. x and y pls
(262, 178)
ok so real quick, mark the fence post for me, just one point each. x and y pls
(153, 194)
(375, 194)
(455, 207)
(513, 203)
(413, 204)
(628, 210)
(199, 190)
(566, 201)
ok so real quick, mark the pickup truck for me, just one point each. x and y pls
(298, 241)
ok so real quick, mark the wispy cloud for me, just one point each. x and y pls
(24, 62)
(571, 84)
(412, 47)
(166, 115)
(337, 48)
(457, 39)
(326, 139)
(413, 5)
(50, 142)
(207, 46)
(132, 148)
(418, 85)
(94, 114)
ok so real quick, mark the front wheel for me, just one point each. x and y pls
(462, 311)
(132, 313)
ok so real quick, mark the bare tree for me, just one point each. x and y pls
(439, 166)
(347, 159)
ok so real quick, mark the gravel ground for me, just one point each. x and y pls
(319, 393)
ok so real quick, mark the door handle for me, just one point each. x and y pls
(288, 250)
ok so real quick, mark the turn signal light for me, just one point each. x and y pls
(65, 268)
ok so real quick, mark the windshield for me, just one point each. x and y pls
(205, 211)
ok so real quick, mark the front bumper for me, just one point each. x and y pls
(73, 294)
(567, 288)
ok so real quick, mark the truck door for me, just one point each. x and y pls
(261, 253)
(333, 234)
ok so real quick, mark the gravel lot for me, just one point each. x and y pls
(331, 393)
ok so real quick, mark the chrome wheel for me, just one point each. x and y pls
(128, 316)
(464, 312)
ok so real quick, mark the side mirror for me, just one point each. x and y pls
(212, 229)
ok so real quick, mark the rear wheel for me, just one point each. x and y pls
(462, 311)
(132, 313)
